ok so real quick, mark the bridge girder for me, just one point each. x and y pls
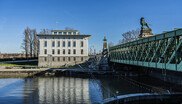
(163, 51)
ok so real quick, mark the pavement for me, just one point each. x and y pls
(18, 70)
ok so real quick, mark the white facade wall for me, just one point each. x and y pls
(67, 38)
(49, 47)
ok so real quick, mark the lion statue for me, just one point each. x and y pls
(143, 23)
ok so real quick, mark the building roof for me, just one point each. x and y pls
(63, 35)
(64, 31)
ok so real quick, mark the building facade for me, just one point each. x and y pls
(62, 48)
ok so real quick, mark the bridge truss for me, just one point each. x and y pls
(162, 51)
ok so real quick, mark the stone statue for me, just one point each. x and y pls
(145, 31)
(143, 23)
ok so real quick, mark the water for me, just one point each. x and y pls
(63, 90)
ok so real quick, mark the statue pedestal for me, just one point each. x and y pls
(145, 32)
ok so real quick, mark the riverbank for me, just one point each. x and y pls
(52, 72)
(20, 73)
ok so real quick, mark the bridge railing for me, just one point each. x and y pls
(163, 51)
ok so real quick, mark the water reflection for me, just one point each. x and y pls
(62, 90)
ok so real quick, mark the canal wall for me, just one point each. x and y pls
(69, 72)
(8, 73)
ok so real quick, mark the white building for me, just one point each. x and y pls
(62, 47)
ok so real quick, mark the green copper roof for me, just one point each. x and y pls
(104, 38)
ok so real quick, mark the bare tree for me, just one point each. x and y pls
(69, 28)
(30, 42)
(110, 44)
(35, 43)
(26, 43)
(129, 36)
(45, 31)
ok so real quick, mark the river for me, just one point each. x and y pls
(63, 90)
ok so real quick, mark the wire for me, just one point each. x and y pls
(94, 78)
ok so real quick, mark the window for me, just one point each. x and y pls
(55, 32)
(60, 33)
(74, 58)
(53, 43)
(69, 59)
(81, 44)
(45, 43)
(74, 43)
(52, 58)
(63, 43)
(69, 44)
(63, 51)
(64, 33)
(63, 58)
(53, 51)
(69, 33)
(45, 51)
(81, 58)
(58, 51)
(58, 45)
(69, 51)
(58, 58)
(74, 33)
(74, 51)
(45, 58)
(81, 51)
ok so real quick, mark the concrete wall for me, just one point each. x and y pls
(49, 62)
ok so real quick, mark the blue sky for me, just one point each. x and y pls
(95, 17)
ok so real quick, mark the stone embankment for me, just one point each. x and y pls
(5, 73)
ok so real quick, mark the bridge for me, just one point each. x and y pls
(162, 51)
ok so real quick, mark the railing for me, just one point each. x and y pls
(163, 51)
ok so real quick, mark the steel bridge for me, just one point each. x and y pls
(162, 51)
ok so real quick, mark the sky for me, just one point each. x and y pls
(98, 18)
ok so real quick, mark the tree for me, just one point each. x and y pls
(129, 36)
(30, 42)
(69, 28)
(35, 43)
(26, 44)
(45, 31)
(110, 44)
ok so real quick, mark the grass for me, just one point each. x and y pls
(19, 64)
(8, 64)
